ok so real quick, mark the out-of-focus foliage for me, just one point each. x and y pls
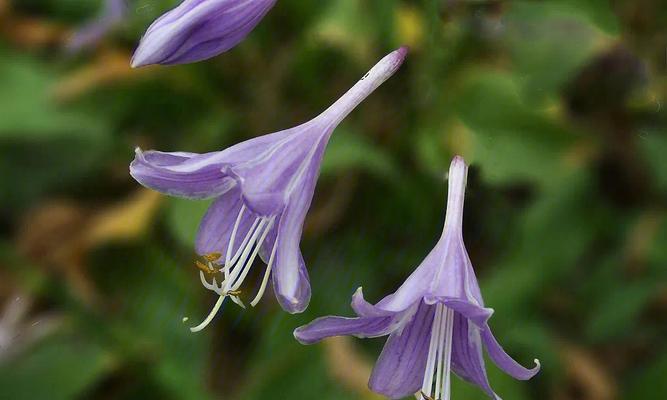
(560, 106)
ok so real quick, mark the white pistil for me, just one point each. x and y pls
(238, 266)
(211, 315)
(438, 364)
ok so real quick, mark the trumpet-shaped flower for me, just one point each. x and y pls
(436, 321)
(263, 188)
(199, 29)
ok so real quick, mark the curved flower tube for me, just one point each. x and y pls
(436, 321)
(263, 188)
(197, 30)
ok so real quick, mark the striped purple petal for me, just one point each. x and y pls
(325, 327)
(199, 29)
(504, 361)
(467, 355)
(400, 367)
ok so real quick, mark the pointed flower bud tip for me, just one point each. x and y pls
(197, 30)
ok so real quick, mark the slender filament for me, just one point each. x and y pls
(436, 383)
(237, 266)
(265, 280)
(210, 316)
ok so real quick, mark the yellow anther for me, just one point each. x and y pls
(212, 256)
(234, 292)
(205, 267)
(425, 396)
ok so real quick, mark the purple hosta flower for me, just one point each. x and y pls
(199, 29)
(94, 31)
(263, 188)
(436, 321)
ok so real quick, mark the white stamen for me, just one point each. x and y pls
(237, 267)
(265, 280)
(438, 365)
(237, 300)
(248, 241)
(230, 246)
(439, 371)
(432, 351)
(205, 282)
(243, 244)
(246, 269)
(208, 319)
(449, 331)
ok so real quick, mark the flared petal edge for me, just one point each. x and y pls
(179, 174)
(329, 326)
(295, 299)
(476, 314)
(506, 363)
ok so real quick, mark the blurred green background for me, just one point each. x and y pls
(559, 106)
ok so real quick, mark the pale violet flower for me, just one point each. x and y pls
(263, 188)
(199, 29)
(19, 329)
(436, 321)
(92, 32)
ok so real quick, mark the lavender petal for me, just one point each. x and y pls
(364, 308)
(415, 287)
(471, 311)
(180, 174)
(218, 223)
(467, 355)
(293, 294)
(400, 368)
(290, 276)
(504, 361)
(325, 327)
(193, 175)
(92, 32)
(199, 29)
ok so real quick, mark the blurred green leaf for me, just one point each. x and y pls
(28, 111)
(504, 385)
(155, 294)
(511, 140)
(41, 144)
(600, 12)
(657, 254)
(548, 42)
(281, 365)
(612, 315)
(348, 150)
(344, 25)
(183, 218)
(650, 382)
(562, 219)
(653, 144)
(59, 368)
